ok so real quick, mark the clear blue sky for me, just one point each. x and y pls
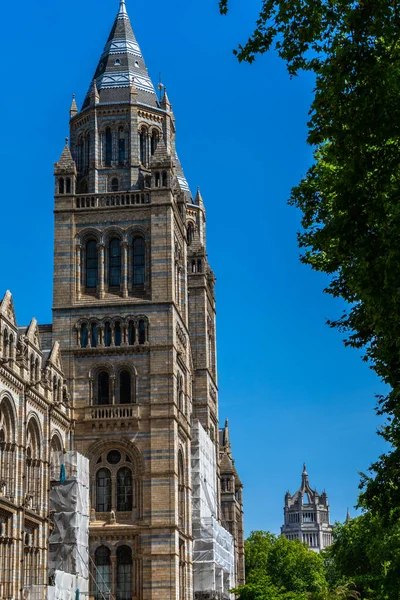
(292, 392)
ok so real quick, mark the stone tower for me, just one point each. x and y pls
(134, 311)
(306, 516)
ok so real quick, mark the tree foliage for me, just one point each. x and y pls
(368, 553)
(350, 197)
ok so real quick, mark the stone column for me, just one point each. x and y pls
(78, 270)
(101, 248)
(124, 286)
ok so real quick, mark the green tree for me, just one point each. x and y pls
(368, 553)
(350, 197)
(278, 569)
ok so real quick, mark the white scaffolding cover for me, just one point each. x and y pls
(69, 539)
(213, 547)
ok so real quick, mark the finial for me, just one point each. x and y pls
(304, 468)
(66, 141)
(122, 8)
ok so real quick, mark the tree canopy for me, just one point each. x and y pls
(350, 197)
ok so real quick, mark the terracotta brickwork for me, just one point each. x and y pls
(34, 422)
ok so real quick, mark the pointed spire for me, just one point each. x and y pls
(165, 103)
(94, 93)
(74, 109)
(348, 516)
(120, 64)
(199, 199)
(66, 162)
(227, 442)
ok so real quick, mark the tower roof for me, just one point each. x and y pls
(121, 64)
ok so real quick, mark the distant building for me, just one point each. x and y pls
(306, 516)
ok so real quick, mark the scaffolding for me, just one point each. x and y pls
(213, 546)
(69, 539)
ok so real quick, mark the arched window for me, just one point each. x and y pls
(142, 332)
(131, 333)
(55, 458)
(125, 387)
(143, 146)
(138, 261)
(61, 185)
(124, 490)
(102, 560)
(68, 185)
(180, 394)
(115, 263)
(5, 343)
(157, 179)
(124, 573)
(87, 153)
(190, 234)
(103, 388)
(181, 491)
(103, 490)
(108, 149)
(107, 334)
(154, 142)
(117, 333)
(93, 335)
(114, 184)
(91, 264)
(84, 335)
(121, 146)
(164, 179)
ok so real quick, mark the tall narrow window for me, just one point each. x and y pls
(142, 332)
(107, 335)
(87, 154)
(124, 573)
(131, 333)
(108, 152)
(121, 146)
(143, 147)
(91, 264)
(154, 142)
(61, 185)
(93, 335)
(115, 263)
(117, 333)
(124, 489)
(190, 234)
(102, 560)
(125, 388)
(68, 185)
(114, 185)
(103, 490)
(103, 388)
(181, 491)
(138, 261)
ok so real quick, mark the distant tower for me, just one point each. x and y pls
(306, 515)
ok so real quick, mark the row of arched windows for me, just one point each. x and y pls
(7, 344)
(122, 587)
(122, 390)
(148, 141)
(113, 260)
(64, 185)
(113, 333)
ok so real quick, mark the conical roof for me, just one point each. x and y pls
(121, 64)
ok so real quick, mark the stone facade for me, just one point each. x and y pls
(306, 516)
(34, 428)
(134, 313)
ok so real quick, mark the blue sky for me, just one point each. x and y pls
(292, 392)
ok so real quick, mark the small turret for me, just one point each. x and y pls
(74, 108)
(94, 94)
(65, 172)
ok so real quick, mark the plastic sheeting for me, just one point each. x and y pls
(213, 546)
(69, 539)
(65, 586)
